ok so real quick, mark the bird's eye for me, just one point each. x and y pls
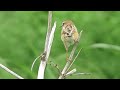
(63, 24)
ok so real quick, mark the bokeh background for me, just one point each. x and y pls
(22, 38)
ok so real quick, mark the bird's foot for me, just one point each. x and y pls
(68, 60)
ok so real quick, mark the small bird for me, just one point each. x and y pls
(69, 35)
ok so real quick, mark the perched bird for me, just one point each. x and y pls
(69, 35)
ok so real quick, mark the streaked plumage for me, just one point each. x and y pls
(69, 34)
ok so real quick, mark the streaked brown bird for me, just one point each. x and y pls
(69, 35)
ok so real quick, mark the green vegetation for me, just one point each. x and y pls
(22, 38)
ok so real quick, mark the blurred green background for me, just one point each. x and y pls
(22, 38)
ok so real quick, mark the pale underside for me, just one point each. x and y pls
(67, 41)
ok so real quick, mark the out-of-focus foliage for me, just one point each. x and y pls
(22, 38)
